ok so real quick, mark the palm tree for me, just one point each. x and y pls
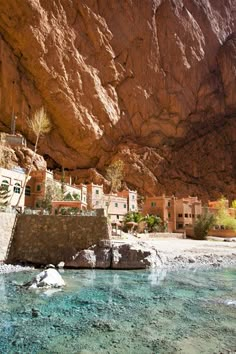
(153, 222)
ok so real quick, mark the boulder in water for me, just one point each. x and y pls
(48, 278)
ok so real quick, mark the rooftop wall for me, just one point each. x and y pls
(51, 239)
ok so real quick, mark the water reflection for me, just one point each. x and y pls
(157, 276)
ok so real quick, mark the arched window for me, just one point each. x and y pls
(27, 191)
(5, 184)
(17, 188)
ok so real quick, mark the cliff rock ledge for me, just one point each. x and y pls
(151, 82)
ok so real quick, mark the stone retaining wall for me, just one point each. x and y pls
(7, 221)
(51, 239)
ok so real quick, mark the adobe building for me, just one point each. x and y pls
(13, 181)
(177, 213)
(35, 190)
(95, 196)
(132, 199)
(116, 205)
(187, 211)
(162, 206)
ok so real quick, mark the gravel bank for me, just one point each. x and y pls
(9, 268)
(186, 253)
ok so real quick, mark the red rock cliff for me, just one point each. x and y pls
(152, 82)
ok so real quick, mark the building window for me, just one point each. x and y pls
(124, 205)
(153, 204)
(97, 191)
(185, 215)
(117, 216)
(133, 197)
(106, 203)
(190, 215)
(116, 205)
(180, 215)
(168, 204)
(5, 184)
(38, 187)
(17, 188)
(180, 226)
(169, 215)
(132, 207)
(193, 216)
(27, 191)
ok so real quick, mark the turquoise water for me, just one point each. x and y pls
(121, 312)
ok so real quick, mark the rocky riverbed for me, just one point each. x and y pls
(133, 253)
(9, 268)
(153, 253)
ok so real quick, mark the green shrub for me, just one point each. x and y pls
(224, 218)
(202, 225)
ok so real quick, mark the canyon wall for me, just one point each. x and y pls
(150, 82)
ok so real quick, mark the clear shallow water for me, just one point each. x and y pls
(121, 312)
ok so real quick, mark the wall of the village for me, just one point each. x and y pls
(7, 221)
(51, 239)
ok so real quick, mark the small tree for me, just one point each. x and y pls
(234, 204)
(154, 223)
(202, 225)
(40, 125)
(53, 192)
(114, 174)
(223, 217)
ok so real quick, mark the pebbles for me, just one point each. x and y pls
(9, 268)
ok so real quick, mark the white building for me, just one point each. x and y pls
(13, 181)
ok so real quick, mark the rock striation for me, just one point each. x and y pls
(149, 82)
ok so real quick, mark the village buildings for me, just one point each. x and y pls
(116, 205)
(177, 213)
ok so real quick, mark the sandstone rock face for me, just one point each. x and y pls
(150, 82)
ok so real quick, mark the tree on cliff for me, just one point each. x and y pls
(114, 174)
(40, 125)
